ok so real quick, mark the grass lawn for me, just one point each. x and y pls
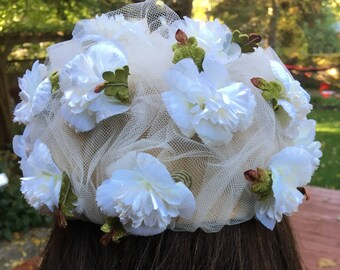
(328, 133)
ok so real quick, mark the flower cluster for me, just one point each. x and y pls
(292, 167)
(91, 84)
(93, 77)
(202, 99)
(143, 195)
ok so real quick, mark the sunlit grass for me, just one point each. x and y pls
(328, 133)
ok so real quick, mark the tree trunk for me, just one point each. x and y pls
(6, 114)
(186, 8)
(273, 25)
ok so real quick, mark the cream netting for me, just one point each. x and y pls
(221, 192)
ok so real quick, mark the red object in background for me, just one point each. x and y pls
(324, 86)
(327, 94)
(324, 90)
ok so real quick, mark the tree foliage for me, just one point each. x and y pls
(50, 15)
(295, 28)
(26, 28)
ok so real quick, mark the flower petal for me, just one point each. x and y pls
(179, 110)
(293, 165)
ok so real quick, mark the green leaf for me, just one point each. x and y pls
(116, 84)
(246, 42)
(109, 76)
(261, 182)
(263, 188)
(106, 228)
(67, 198)
(272, 91)
(114, 229)
(189, 49)
(54, 79)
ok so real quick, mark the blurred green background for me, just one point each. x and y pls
(304, 33)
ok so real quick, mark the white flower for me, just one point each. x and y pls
(111, 28)
(23, 144)
(207, 103)
(142, 193)
(61, 53)
(41, 179)
(291, 168)
(305, 140)
(294, 102)
(35, 93)
(82, 107)
(215, 38)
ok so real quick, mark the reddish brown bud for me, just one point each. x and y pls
(304, 192)
(99, 88)
(61, 219)
(252, 176)
(105, 239)
(255, 38)
(181, 37)
(257, 82)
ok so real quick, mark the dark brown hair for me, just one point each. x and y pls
(248, 246)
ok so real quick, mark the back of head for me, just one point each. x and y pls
(248, 246)
(144, 123)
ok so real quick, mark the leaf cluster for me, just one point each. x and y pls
(248, 43)
(114, 231)
(54, 79)
(298, 27)
(189, 49)
(116, 84)
(272, 91)
(67, 198)
(50, 15)
(263, 188)
(15, 214)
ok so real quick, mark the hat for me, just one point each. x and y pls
(144, 122)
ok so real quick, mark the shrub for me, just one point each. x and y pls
(15, 214)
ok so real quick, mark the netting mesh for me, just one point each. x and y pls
(221, 192)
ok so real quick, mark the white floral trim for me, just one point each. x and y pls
(215, 38)
(82, 107)
(23, 144)
(41, 179)
(142, 193)
(111, 28)
(35, 93)
(306, 140)
(290, 168)
(207, 103)
(294, 102)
